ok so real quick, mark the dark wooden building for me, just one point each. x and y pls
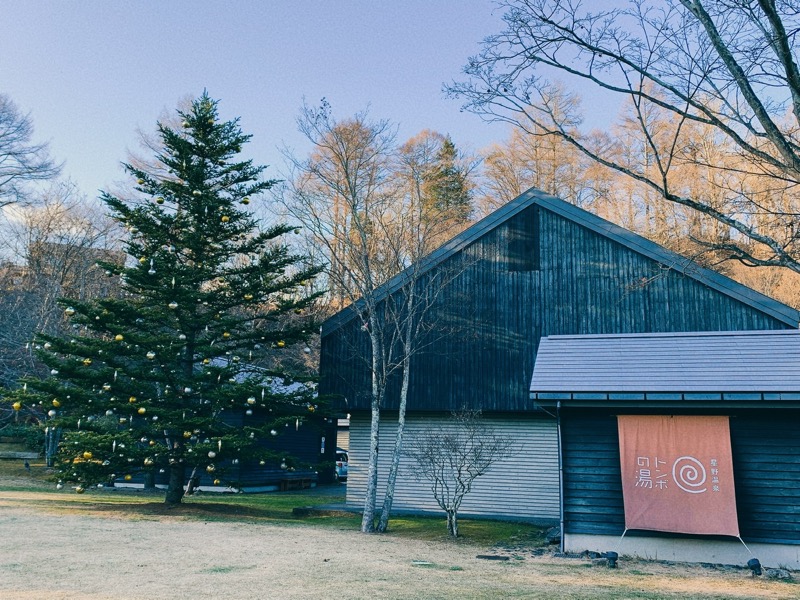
(753, 378)
(536, 267)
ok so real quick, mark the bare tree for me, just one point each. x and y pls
(451, 456)
(342, 194)
(365, 206)
(726, 67)
(52, 250)
(436, 199)
(543, 161)
(21, 160)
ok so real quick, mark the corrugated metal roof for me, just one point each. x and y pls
(635, 242)
(717, 362)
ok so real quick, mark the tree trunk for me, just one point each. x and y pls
(194, 481)
(388, 498)
(368, 518)
(452, 523)
(175, 489)
(378, 388)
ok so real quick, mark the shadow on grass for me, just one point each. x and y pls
(197, 509)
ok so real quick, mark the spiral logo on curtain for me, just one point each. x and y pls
(689, 474)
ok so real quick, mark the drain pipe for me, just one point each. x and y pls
(560, 480)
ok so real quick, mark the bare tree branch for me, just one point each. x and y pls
(21, 161)
(706, 67)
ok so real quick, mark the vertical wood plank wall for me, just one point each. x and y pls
(533, 469)
(491, 316)
(766, 471)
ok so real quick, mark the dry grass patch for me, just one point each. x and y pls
(128, 545)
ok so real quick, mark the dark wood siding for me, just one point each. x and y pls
(490, 317)
(766, 465)
(592, 479)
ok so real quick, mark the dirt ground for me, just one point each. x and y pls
(45, 555)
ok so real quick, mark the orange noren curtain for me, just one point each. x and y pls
(677, 474)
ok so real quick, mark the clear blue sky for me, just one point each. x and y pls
(91, 71)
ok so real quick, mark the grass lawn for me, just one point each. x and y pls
(260, 542)
(266, 507)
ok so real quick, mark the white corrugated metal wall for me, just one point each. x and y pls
(522, 486)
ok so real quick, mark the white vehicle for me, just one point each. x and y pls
(341, 465)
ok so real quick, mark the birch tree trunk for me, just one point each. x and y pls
(388, 498)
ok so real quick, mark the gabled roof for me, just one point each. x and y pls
(635, 242)
(729, 362)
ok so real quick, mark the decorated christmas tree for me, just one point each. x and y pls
(163, 381)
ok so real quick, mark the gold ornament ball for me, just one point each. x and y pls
(87, 455)
(187, 434)
(119, 337)
(87, 361)
(132, 399)
(248, 296)
(143, 260)
(16, 405)
(128, 477)
(226, 334)
(225, 218)
(142, 410)
(69, 311)
(56, 403)
(148, 462)
(251, 400)
(159, 200)
(281, 343)
(206, 361)
(211, 468)
(140, 181)
(196, 192)
(79, 490)
(245, 200)
(185, 124)
(217, 482)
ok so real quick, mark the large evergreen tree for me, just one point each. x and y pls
(162, 379)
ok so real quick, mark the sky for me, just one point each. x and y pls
(92, 72)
